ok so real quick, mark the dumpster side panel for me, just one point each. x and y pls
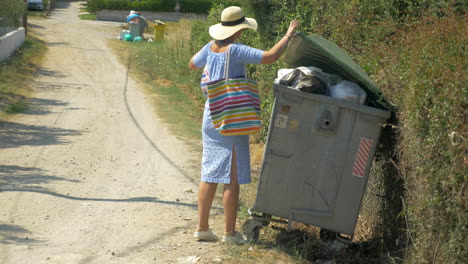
(275, 167)
(364, 140)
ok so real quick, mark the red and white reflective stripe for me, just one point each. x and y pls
(362, 155)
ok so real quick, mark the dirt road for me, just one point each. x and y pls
(89, 174)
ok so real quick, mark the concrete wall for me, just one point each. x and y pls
(121, 16)
(11, 42)
(4, 30)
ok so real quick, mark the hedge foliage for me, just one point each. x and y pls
(144, 5)
(186, 6)
(415, 51)
(11, 12)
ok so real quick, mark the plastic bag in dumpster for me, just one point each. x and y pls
(287, 76)
(318, 52)
(310, 80)
(348, 91)
(326, 78)
(310, 84)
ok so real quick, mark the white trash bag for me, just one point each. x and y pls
(348, 91)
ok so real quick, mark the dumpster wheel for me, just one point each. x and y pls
(327, 235)
(251, 229)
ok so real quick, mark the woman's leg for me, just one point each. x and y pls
(231, 198)
(206, 193)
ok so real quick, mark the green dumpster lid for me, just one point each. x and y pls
(318, 52)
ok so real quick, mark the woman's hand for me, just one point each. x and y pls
(274, 53)
(292, 28)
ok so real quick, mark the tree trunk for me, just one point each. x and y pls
(25, 17)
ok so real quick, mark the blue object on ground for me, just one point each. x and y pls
(128, 37)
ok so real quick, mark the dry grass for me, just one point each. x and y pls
(256, 154)
(16, 74)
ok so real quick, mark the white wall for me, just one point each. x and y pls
(11, 42)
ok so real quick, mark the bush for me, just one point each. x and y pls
(119, 5)
(196, 6)
(11, 13)
(427, 76)
(145, 5)
(95, 5)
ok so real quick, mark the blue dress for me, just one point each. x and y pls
(217, 149)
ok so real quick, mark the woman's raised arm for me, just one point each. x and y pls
(274, 53)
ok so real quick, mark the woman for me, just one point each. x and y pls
(226, 159)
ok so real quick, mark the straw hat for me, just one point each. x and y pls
(232, 20)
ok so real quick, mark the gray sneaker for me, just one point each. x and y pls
(205, 235)
(238, 239)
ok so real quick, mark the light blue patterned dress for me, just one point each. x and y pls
(217, 149)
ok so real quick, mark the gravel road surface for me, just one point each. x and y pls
(89, 174)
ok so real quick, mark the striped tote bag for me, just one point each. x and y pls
(234, 104)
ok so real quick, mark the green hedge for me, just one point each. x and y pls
(11, 12)
(195, 6)
(145, 5)
(415, 51)
(187, 6)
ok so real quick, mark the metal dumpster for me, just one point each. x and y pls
(319, 149)
(137, 26)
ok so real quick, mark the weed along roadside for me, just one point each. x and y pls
(16, 74)
(18, 70)
(416, 182)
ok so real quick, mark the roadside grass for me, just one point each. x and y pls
(36, 14)
(84, 14)
(16, 107)
(87, 16)
(16, 74)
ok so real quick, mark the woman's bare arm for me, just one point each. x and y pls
(274, 53)
(192, 65)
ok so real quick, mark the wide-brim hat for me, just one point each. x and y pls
(232, 20)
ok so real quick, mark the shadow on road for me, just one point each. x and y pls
(14, 234)
(144, 199)
(12, 176)
(38, 106)
(57, 43)
(33, 25)
(29, 179)
(13, 135)
(51, 73)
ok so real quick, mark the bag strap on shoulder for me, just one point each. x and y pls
(226, 65)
